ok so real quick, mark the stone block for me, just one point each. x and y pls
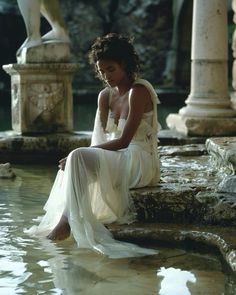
(41, 97)
(202, 126)
(223, 153)
(6, 171)
(45, 53)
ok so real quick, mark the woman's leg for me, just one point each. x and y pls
(81, 167)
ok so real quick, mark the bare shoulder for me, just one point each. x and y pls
(103, 98)
(140, 92)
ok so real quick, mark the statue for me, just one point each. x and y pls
(31, 10)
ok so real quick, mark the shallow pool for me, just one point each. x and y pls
(37, 266)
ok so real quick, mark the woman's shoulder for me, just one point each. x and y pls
(104, 96)
(141, 84)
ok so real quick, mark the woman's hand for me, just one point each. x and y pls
(62, 164)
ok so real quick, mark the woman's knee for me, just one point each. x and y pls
(87, 158)
(77, 152)
(86, 154)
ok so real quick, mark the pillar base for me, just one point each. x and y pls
(200, 126)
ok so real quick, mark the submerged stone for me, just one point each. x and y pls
(6, 171)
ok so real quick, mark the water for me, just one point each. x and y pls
(37, 266)
(84, 115)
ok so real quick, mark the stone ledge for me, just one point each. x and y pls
(46, 148)
(57, 52)
(173, 137)
(223, 152)
(43, 148)
(199, 126)
(223, 238)
(187, 204)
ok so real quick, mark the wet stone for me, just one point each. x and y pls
(228, 185)
(188, 190)
(183, 150)
(223, 152)
(6, 171)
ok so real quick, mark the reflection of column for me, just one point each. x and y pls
(208, 111)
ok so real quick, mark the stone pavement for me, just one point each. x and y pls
(196, 197)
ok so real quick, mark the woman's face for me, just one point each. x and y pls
(111, 72)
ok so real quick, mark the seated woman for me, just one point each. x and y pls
(92, 185)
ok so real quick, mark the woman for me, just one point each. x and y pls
(92, 186)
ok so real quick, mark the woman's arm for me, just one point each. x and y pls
(103, 106)
(139, 99)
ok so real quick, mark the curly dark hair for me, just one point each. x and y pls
(117, 48)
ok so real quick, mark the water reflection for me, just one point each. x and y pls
(174, 281)
(37, 266)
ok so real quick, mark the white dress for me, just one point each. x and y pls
(94, 187)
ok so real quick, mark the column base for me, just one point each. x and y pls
(200, 126)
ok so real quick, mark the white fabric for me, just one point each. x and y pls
(94, 187)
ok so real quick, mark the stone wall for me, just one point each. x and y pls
(150, 22)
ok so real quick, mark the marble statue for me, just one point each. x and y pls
(31, 11)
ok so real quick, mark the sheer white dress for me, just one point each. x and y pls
(94, 187)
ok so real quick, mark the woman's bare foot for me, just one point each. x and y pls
(61, 231)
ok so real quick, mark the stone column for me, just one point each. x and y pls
(208, 111)
(41, 90)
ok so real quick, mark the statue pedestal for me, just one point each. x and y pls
(45, 53)
(41, 97)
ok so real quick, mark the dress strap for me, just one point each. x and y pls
(154, 98)
(155, 125)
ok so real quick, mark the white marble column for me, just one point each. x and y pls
(208, 110)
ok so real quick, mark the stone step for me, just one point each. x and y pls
(185, 205)
(221, 238)
(190, 191)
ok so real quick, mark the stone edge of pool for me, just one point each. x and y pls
(223, 238)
